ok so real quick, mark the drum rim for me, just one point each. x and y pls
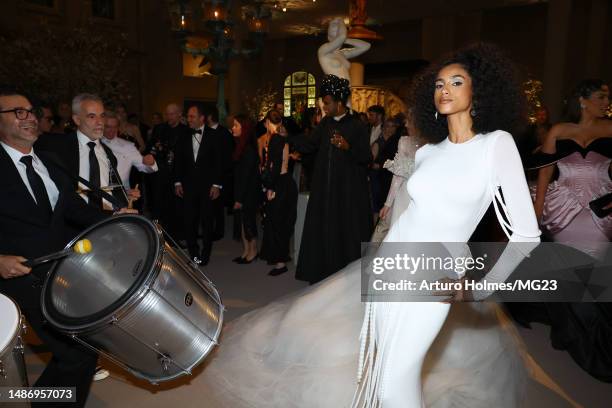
(16, 333)
(119, 307)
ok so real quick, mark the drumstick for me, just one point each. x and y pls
(105, 188)
(82, 246)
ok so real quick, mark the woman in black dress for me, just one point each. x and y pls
(281, 197)
(247, 186)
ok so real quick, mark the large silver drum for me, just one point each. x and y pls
(135, 300)
(12, 365)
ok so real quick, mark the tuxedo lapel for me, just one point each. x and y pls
(15, 189)
(74, 156)
(205, 141)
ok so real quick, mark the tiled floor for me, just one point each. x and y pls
(245, 287)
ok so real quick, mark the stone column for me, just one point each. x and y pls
(557, 28)
(357, 73)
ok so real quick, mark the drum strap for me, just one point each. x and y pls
(94, 190)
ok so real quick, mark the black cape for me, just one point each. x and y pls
(339, 213)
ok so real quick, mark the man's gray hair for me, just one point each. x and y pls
(80, 98)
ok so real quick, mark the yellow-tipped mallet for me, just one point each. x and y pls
(82, 246)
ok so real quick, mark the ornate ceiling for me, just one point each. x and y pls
(308, 17)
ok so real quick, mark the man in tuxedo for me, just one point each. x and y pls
(226, 199)
(84, 156)
(376, 118)
(202, 161)
(165, 206)
(45, 120)
(38, 199)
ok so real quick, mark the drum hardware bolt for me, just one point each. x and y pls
(188, 299)
(2, 370)
(24, 328)
(19, 347)
(165, 362)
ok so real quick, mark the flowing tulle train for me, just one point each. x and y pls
(303, 351)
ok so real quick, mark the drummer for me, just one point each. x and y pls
(37, 202)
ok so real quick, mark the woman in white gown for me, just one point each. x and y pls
(304, 350)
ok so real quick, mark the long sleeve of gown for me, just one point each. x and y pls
(402, 166)
(359, 144)
(517, 207)
(395, 184)
(306, 143)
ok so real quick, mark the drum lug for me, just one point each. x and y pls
(19, 346)
(165, 363)
(2, 370)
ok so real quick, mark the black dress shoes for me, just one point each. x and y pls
(245, 261)
(278, 271)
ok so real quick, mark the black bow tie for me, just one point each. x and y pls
(197, 131)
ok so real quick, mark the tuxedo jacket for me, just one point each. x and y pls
(66, 149)
(213, 161)
(24, 229)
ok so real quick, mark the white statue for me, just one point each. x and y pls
(334, 59)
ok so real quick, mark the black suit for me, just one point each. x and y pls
(164, 204)
(197, 177)
(26, 231)
(66, 148)
(227, 196)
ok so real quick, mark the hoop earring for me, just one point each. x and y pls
(473, 113)
(436, 115)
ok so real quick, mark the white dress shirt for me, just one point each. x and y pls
(196, 141)
(375, 133)
(127, 156)
(103, 162)
(40, 169)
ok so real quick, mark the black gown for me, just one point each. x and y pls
(247, 191)
(280, 213)
(339, 213)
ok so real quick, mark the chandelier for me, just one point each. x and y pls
(206, 29)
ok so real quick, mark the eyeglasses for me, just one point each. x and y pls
(21, 113)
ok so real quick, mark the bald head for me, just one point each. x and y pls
(173, 114)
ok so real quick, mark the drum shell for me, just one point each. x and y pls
(135, 300)
(178, 316)
(12, 363)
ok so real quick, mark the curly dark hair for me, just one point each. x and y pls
(584, 89)
(497, 98)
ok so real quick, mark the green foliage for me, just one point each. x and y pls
(261, 102)
(54, 64)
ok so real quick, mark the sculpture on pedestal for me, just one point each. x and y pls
(333, 58)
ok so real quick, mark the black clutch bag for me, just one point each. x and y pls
(597, 205)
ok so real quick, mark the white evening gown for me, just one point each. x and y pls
(303, 350)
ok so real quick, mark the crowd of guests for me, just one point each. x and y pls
(188, 171)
